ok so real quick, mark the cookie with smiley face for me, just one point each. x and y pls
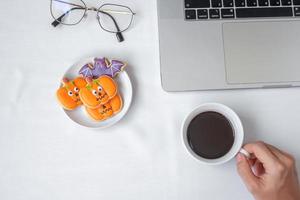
(102, 113)
(68, 93)
(107, 110)
(98, 92)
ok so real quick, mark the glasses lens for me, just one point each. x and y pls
(69, 12)
(114, 17)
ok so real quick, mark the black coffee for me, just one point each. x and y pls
(210, 135)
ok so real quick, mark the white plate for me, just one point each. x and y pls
(80, 116)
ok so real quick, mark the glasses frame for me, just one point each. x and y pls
(118, 33)
(103, 12)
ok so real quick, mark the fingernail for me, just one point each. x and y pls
(239, 157)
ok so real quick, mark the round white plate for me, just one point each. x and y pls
(80, 116)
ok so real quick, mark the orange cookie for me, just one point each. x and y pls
(99, 114)
(116, 103)
(98, 91)
(107, 110)
(68, 93)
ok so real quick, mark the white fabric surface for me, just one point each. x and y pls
(44, 155)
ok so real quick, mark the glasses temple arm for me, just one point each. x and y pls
(118, 33)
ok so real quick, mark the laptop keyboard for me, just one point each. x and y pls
(240, 9)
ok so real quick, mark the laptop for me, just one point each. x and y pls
(229, 44)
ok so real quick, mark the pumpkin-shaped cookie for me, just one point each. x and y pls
(99, 114)
(68, 93)
(107, 110)
(98, 92)
(116, 103)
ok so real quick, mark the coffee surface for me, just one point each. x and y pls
(210, 135)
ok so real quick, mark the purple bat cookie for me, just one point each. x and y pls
(102, 66)
(87, 70)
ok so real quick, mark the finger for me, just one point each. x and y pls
(245, 172)
(252, 161)
(258, 168)
(262, 153)
(279, 153)
(284, 157)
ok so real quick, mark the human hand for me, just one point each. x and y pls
(270, 174)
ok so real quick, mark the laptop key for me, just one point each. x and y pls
(297, 11)
(275, 2)
(190, 14)
(228, 3)
(296, 2)
(216, 3)
(197, 3)
(286, 2)
(263, 2)
(214, 14)
(227, 13)
(202, 14)
(251, 3)
(264, 12)
(240, 3)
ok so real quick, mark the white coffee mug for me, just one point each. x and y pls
(236, 126)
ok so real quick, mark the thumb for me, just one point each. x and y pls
(245, 172)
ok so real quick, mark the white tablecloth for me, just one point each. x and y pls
(44, 155)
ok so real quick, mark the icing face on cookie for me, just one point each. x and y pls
(107, 110)
(98, 91)
(99, 114)
(68, 93)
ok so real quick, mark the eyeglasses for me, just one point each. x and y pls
(112, 18)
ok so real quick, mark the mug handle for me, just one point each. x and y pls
(245, 153)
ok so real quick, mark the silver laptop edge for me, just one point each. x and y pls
(213, 55)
